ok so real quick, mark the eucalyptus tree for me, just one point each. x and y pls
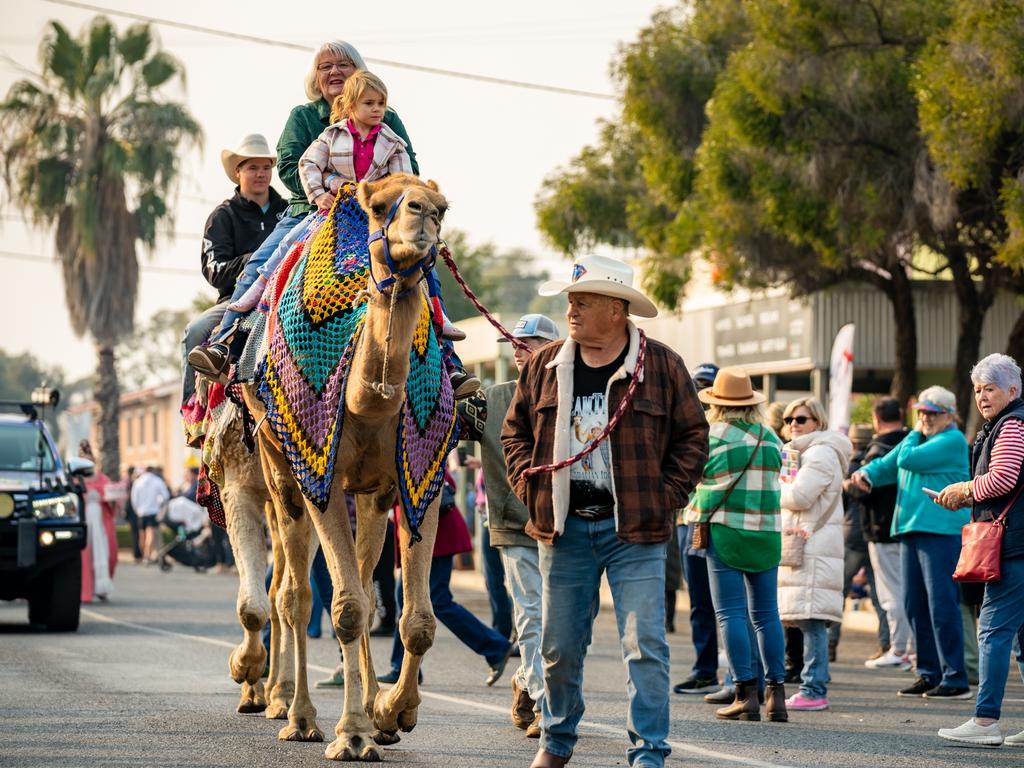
(92, 149)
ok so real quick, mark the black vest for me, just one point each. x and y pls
(989, 509)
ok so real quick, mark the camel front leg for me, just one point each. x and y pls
(244, 512)
(397, 708)
(280, 684)
(350, 616)
(295, 603)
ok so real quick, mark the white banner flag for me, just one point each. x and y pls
(840, 379)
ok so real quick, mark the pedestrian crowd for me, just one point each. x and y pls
(606, 457)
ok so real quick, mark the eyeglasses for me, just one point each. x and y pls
(801, 420)
(341, 66)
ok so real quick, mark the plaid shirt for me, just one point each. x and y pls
(754, 504)
(658, 448)
(333, 152)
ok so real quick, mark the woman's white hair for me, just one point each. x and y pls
(338, 48)
(1001, 370)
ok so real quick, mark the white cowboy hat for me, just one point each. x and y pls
(604, 276)
(252, 146)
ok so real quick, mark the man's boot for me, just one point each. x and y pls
(744, 706)
(775, 695)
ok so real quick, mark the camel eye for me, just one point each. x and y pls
(379, 209)
(441, 211)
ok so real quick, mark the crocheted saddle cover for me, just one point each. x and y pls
(316, 318)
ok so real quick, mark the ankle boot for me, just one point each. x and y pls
(744, 706)
(776, 698)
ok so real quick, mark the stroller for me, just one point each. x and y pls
(192, 543)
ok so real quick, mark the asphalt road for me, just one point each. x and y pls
(144, 683)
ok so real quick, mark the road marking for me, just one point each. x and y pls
(680, 746)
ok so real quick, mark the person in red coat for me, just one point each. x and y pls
(99, 558)
(452, 539)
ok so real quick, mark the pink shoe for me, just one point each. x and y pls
(250, 298)
(801, 703)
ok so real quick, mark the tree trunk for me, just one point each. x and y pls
(974, 301)
(108, 419)
(1015, 344)
(904, 378)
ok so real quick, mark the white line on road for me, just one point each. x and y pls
(611, 730)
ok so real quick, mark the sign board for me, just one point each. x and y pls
(776, 329)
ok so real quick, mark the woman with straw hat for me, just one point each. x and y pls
(738, 499)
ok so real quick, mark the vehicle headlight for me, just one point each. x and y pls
(56, 507)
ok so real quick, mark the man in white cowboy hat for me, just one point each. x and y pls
(611, 511)
(233, 231)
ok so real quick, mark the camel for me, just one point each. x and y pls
(365, 466)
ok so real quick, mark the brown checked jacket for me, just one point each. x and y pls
(658, 448)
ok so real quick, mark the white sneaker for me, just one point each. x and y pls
(887, 659)
(1017, 740)
(972, 733)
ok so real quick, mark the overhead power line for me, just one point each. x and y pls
(306, 49)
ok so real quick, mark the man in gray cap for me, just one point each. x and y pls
(507, 518)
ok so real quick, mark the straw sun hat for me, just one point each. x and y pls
(731, 389)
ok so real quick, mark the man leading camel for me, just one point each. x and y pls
(615, 518)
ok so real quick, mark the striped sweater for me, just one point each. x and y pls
(1005, 464)
(754, 504)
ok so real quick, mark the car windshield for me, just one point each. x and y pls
(24, 447)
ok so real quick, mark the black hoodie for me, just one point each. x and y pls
(235, 229)
(877, 507)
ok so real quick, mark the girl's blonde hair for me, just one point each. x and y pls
(813, 405)
(338, 48)
(358, 83)
(752, 414)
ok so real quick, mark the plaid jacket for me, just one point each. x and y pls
(657, 450)
(331, 152)
(754, 504)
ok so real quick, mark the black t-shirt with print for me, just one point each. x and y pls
(590, 482)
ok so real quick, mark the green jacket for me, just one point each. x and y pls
(305, 123)
(507, 516)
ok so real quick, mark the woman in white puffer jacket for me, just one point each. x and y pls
(812, 595)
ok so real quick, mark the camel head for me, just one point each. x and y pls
(415, 226)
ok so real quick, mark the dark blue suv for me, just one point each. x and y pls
(42, 523)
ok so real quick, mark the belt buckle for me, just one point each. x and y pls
(593, 512)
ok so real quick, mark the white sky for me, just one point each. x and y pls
(489, 146)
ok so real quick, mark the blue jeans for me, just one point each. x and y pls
(734, 592)
(814, 676)
(571, 569)
(271, 252)
(1002, 618)
(522, 569)
(932, 603)
(703, 628)
(197, 332)
(476, 635)
(494, 577)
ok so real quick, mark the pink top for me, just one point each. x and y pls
(1005, 463)
(362, 149)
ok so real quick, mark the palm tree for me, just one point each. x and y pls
(89, 147)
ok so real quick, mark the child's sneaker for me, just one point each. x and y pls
(211, 361)
(251, 297)
(451, 332)
(803, 703)
(464, 383)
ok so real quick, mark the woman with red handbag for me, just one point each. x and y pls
(994, 494)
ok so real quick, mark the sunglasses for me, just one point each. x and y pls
(801, 420)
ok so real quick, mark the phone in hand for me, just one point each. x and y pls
(933, 495)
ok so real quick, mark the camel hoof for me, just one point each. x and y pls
(276, 711)
(253, 699)
(245, 670)
(303, 731)
(407, 719)
(354, 748)
(386, 738)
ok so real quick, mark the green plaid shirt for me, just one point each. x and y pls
(753, 504)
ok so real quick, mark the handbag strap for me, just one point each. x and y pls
(1020, 487)
(820, 522)
(753, 455)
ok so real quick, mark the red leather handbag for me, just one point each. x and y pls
(981, 549)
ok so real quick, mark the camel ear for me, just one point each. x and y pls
(433, 185)
(365, 192)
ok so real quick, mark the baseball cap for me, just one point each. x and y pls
(704, 375)
(539, 326)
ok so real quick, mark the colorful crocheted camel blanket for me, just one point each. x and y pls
(317, 314)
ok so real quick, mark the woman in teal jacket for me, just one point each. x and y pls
(932, 456)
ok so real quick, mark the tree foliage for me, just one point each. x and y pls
(90, 146)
